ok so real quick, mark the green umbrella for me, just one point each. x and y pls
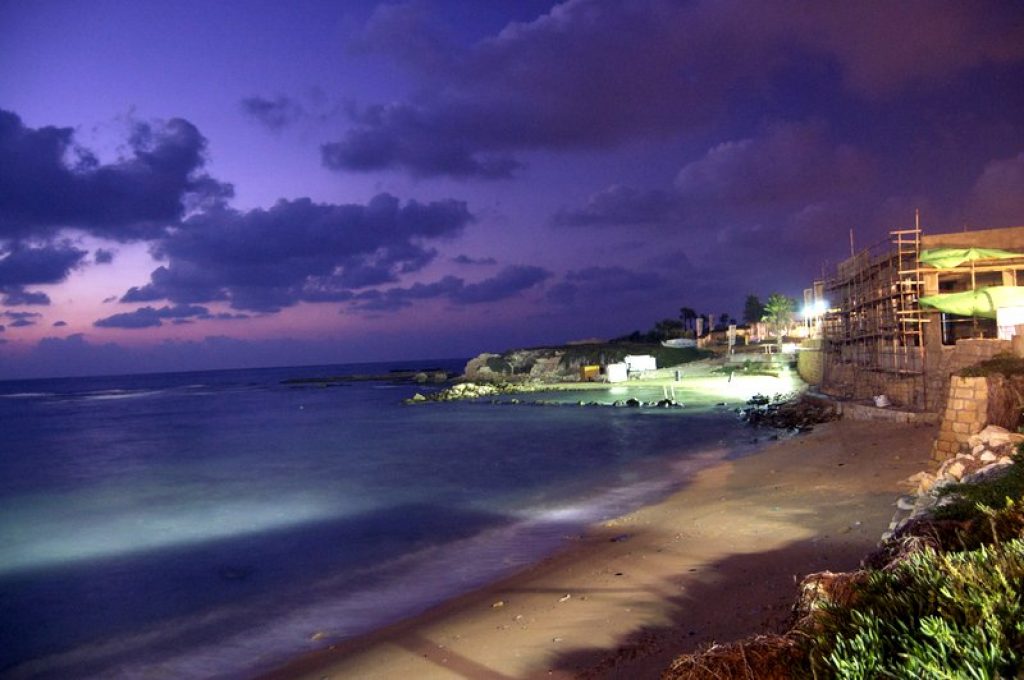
(950, 258)
(982, 302)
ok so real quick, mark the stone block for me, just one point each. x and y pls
(961, 428)
(966, 417)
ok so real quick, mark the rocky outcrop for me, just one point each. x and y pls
(545, 364)
(990, 455)
(800, 413)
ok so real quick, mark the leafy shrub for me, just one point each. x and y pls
(933, 615)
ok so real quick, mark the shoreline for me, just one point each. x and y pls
(650, 585)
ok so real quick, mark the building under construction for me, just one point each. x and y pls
(878, 338)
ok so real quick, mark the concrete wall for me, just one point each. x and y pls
(809, 361)
(847, 381)
(945, 360)
(1007, 238)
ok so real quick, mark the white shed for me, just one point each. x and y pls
(616, 373)
(640, 363)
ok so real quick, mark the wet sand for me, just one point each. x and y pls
(716, 561)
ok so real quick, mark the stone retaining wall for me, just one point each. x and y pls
(972, 404)
(852, 411)
(966, 414)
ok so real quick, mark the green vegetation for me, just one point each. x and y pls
(611, 352)
(1001, 364)
(778, 313)
(951, 609)
(934, 615)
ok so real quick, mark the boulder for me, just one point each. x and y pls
(954, 470)
(987, 473)
(993, 436)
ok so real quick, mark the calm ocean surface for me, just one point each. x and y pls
(213, 524)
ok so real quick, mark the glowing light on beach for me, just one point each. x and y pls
(33, 539)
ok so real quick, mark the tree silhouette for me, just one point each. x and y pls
(753, 309)
(688, 316)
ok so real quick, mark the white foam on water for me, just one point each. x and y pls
(107, 395)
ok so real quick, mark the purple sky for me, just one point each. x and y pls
(222, 184)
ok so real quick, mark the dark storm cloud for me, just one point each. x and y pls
(14, 296)
(408, 137)
(264, 260)
(621, 205)
(997, 197)
(594, 284)
(50, 182)
(50, 263)
(275, 114)
(507, 283)
(466, 259)
(786, 166)
(789, 164)
(103, 256)
(148, 317)
(60, 324)
(562, 82)
(22, 319)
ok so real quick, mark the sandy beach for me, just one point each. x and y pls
(715, 561)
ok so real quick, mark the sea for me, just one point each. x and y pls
(216, 524)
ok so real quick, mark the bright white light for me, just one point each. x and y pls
(815, 309)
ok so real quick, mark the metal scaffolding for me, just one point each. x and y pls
(873, 334)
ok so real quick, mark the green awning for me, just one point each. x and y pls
(950, 258)
(982, 302)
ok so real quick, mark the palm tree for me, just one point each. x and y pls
(778, 313)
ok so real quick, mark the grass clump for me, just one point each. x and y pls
(748, 367)
(612, 352)
(933, 615)
(1000, 364)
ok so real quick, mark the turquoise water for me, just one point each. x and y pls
(212, 524)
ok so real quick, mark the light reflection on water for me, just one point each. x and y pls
(128, 525)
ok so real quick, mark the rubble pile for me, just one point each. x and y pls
(988, 455)
(799, 414)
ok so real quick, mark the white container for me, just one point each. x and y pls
(616, 373)
(638, 363)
